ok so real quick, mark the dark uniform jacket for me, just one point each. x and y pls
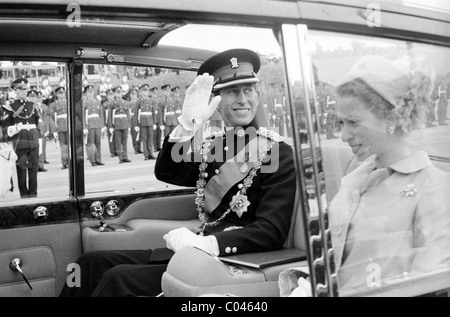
(60, 109)
(45, 122)
(120, 115)
(265, 225)
(147, 114)
(93, 111)
(170, 118)
(25, 112)
(159, 111)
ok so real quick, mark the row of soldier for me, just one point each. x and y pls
(28, 121)
(140, 114)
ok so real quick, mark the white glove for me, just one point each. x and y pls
(162, 127)
(183, 237)
(55, 135)
(196, 104)
(86, 131)
(111, 130)
(154, 127)
(136, 129)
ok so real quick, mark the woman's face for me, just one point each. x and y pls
(366, 133)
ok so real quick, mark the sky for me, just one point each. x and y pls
(221, 38)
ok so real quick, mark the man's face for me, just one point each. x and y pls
(61, 95)
(90, 93)
(21, 92)
(239, 104)
(144, 93)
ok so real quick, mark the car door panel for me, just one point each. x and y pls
(45, 252)
(143, 221)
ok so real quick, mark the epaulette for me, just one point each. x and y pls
(7, 106)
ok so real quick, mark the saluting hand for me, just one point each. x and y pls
(197, 103)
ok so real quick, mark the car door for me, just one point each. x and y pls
(39, 237)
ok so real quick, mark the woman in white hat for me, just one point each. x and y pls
(391, 216)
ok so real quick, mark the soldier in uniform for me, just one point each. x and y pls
(135, 135)
(120, 123)
(160, 115)
(173, 110)
(58, 111)
(245, 203)
(145, 113)
(20, 126)
(108, 105)
(44, 125)
(93, 126)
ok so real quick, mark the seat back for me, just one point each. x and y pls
(182, 277)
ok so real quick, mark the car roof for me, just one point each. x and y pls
(135, 28)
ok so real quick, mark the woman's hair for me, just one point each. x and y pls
(404, 114)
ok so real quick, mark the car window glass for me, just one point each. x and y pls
(145, 118)
(388, 229)
(41, 146)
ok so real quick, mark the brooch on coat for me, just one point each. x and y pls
(408, 191)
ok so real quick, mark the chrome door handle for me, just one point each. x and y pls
(16, 265)
(40, 212)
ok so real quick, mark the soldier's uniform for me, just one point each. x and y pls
(44, 126)
(173, 110)
(20, 126)
(58, 111)
(224, 188)
(145, 114)
(136, 137)
(94, 125)
(108, 106)
(160, 116)
(121, 123)
(442, 103)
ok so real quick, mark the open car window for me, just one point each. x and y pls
(381, 244)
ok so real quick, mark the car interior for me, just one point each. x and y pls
(48, 233)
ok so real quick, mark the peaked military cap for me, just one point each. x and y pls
(154, 89)
(32, 92)
(19, 83)
(88, 87)
(232, 67)
(175, 88)
(165, 86)
(57, 90)
(144, 87)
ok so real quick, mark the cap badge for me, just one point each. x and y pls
(234, 63)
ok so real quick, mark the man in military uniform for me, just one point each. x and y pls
(93, 126)
(173, 110)
(160, 115)
(20, 126)
(108, 105)
(44, 125)
(58, 111)
(136, 138)
(145, 113)
(245, 203)
(120, 123)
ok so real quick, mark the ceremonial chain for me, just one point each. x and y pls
(239, 202)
